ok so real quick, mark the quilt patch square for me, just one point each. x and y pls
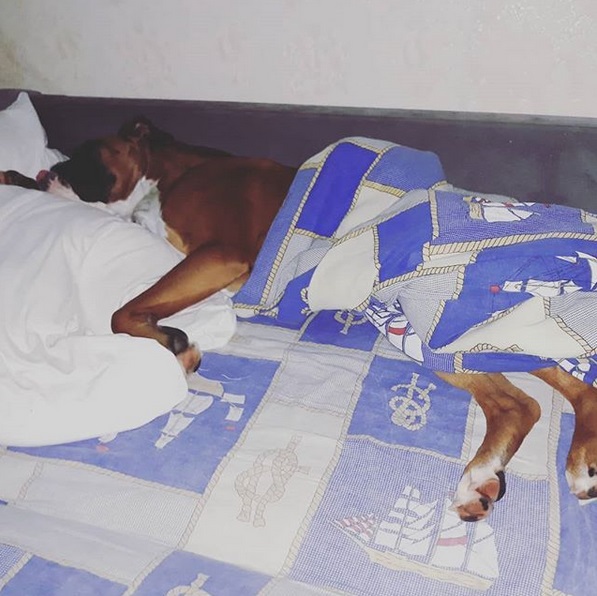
(458, 220)
(252, 293)
(346, 329)
(59, 581)
(418, 169)
(403, 403)
(576, 519)
(385, 527)
(339, 178)
(9, 557)
(221, 412)
(401, 240)
(186, 573)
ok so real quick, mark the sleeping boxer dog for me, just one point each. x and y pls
(217, 209)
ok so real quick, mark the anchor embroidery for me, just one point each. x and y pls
(348, 318)
(410, 410)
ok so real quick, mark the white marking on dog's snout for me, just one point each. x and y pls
(58, 188)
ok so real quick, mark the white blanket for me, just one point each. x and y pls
(65, 267)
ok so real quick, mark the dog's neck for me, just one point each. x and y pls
(165, 165)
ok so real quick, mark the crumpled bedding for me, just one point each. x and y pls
(308, 458)
(459, 281)
(65, 268)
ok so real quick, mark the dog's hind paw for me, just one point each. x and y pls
(475, 497)
(583, 481)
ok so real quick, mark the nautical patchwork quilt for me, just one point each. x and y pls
(310, 460)
(458, 281)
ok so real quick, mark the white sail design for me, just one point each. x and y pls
(409, 529)
(391, 322)
(235, 403)
(494, 211)
(591, 262)
(426, 539)
(179, 418)
(577, 368)
(482, 554)
(549, 289)
(202, 394)
(500, 212)
(451, 546)
(538, 287)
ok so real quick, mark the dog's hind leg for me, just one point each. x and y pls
(510, 414)
(581, 465)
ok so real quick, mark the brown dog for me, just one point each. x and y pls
(217, 209)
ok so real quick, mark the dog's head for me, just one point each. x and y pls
(108, 169)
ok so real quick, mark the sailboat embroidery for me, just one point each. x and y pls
(201, 395)
(539, 287)
(495, 211)
(195, 588)
(577, 367)
(391, 321)
(551, 288)
(409, 540)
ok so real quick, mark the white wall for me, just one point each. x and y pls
(517, 56)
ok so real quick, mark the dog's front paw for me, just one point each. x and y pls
(49, 181)
(189, 359)
(477, 491)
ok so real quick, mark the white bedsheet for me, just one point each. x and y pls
(65, 267)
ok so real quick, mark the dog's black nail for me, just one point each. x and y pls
(502, 478)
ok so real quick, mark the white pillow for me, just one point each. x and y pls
(23, 141)
(65, 267)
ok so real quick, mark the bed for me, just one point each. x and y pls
(308, 455)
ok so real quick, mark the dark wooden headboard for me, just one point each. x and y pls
(531, 158)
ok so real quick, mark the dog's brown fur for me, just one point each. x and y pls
(218, 209)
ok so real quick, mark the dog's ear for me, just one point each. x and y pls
(141, 129)
(136, 129)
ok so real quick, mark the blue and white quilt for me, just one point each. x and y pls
(313, 460)
(460, 282)
(310, 457)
